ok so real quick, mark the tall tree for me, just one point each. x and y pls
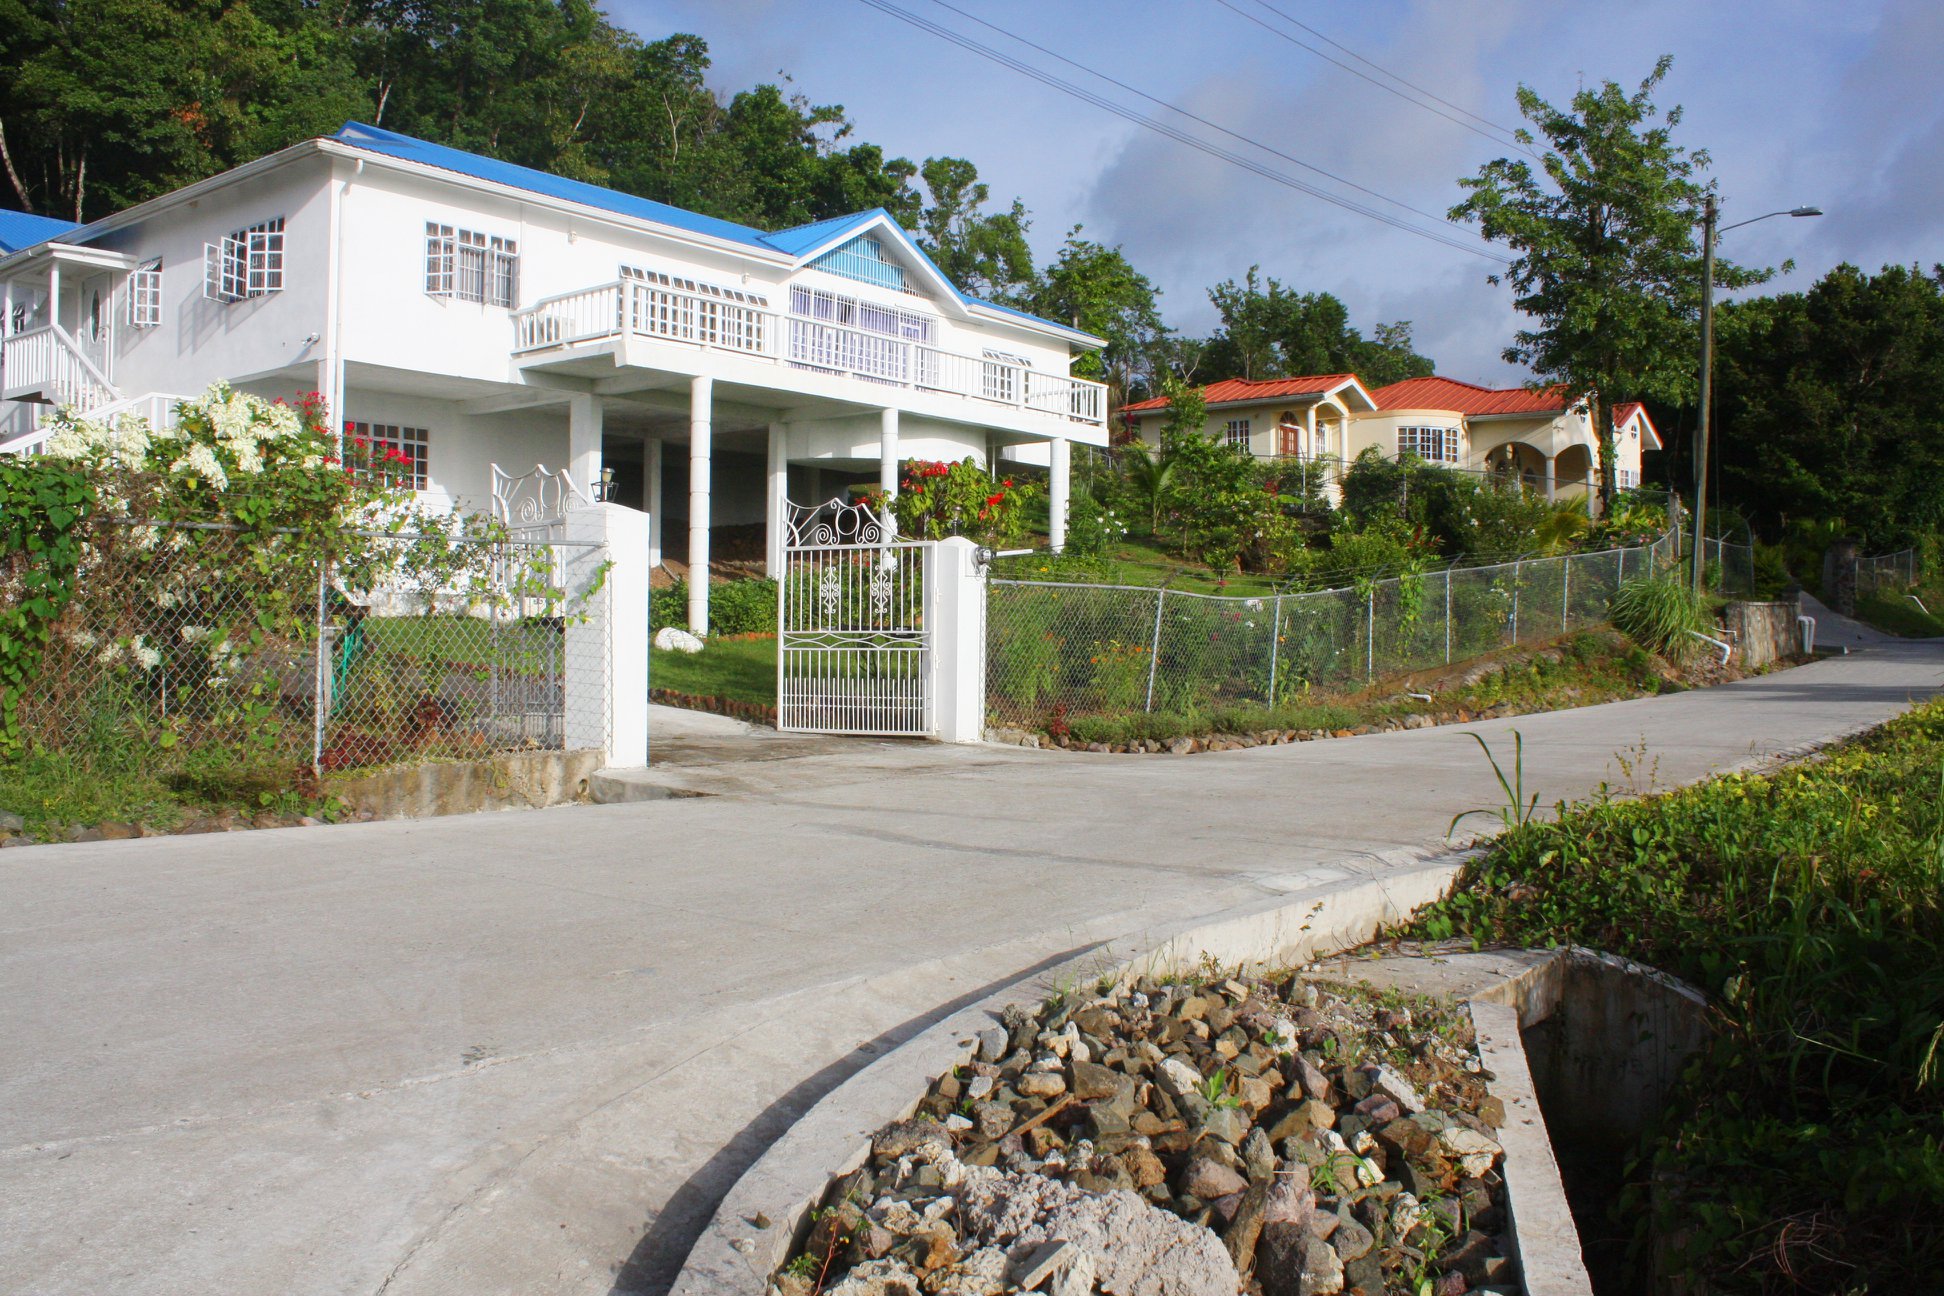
(1270, 330)
(983, 252)
(1831, 403)
(1095, 288)
(1608, 263)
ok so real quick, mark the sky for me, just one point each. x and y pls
(1837, 105)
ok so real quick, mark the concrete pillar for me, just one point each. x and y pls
(1549, 478)
(651, 496)
(1059, 477)
(701, 431)
(776, 498)
(584, 418)
(606, 650)
(955, 610)
(888, 466)
(888, 452)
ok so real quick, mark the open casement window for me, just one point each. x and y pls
(248, 263)
(674, 306)
(145, 295)
(832, 331)
(1432, 444)
(465, 265)
(398, 456)
(1002, 375)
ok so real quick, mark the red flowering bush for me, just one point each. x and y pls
(936, 500)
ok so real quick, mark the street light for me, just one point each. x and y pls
(1710, 213)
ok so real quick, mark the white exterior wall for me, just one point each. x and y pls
(200, 340)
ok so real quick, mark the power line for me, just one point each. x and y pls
(1182, 137)
(1387, 89)
(1297, 22)
(1214, 126)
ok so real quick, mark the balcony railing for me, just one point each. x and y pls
(651, 311)
(47, 363)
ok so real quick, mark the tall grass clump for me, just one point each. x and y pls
(1662, 614)
(1806, 1150)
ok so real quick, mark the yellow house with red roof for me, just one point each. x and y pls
(1544, 439)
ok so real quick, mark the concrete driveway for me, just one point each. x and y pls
(527, 1052)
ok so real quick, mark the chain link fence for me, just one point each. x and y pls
(1887, 571)
(228, 660)
(1056, 648)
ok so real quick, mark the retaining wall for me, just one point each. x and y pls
(1763, 632)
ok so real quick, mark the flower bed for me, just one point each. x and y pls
(1266, 1134)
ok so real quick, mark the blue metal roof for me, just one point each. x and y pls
(793, 243)
(20, 230)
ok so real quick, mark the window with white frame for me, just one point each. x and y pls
(1431, 444)
(700, 288)
(145, 295)
(1236, 433)
(466, 265)
(835, 308)
(247, 263)
(1626, 478)
(1001, 374)
(397, 455)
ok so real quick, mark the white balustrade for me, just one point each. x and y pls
(666, 314)
(48, 362)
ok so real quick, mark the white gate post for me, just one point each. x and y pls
(955, 618)
(606, 654)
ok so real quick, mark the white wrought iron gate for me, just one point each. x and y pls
(853, 652)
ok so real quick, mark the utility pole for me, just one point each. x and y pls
(1710, 213)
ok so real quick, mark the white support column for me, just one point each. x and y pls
(888, 452)
(651, 496)
(776, 498)
(701, 432)
(1549, 478)
(955, 612)
(606, 652)
(585, 414)
(888, 466)
(1059, 477)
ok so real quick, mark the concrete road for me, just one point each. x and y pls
(526, 1052)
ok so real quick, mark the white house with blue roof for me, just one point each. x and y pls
(477, 314)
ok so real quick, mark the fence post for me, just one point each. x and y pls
(1566, 594)
(1447, 616)
(1370, 635)
(604, 689)
(321, 685)
(1515, 599)
(1154, 650)
(955, 612)
(1275, 641)
(1621, 579)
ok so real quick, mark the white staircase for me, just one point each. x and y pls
(159, 408)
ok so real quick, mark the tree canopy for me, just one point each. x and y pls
(1830, 403)
(1608, 262)
(1269, 330)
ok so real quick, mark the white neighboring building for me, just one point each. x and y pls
(474, 313)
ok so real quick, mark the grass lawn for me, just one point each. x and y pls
(1806, 1149)
(1896, 614)
(742, 669)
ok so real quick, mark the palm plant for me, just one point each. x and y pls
(1149, 473)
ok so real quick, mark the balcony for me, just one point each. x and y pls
(631, 308)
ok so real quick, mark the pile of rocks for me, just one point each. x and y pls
(1275, 1136)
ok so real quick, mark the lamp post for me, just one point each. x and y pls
(1710, 214)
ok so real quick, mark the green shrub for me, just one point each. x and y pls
(1806, 1153)
(735, 607)
(1662, 614)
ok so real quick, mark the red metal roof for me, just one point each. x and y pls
(1468, 398)
(1238, 391)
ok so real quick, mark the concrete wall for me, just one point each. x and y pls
(1763, 632)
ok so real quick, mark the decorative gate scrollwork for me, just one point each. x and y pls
(853, 651)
